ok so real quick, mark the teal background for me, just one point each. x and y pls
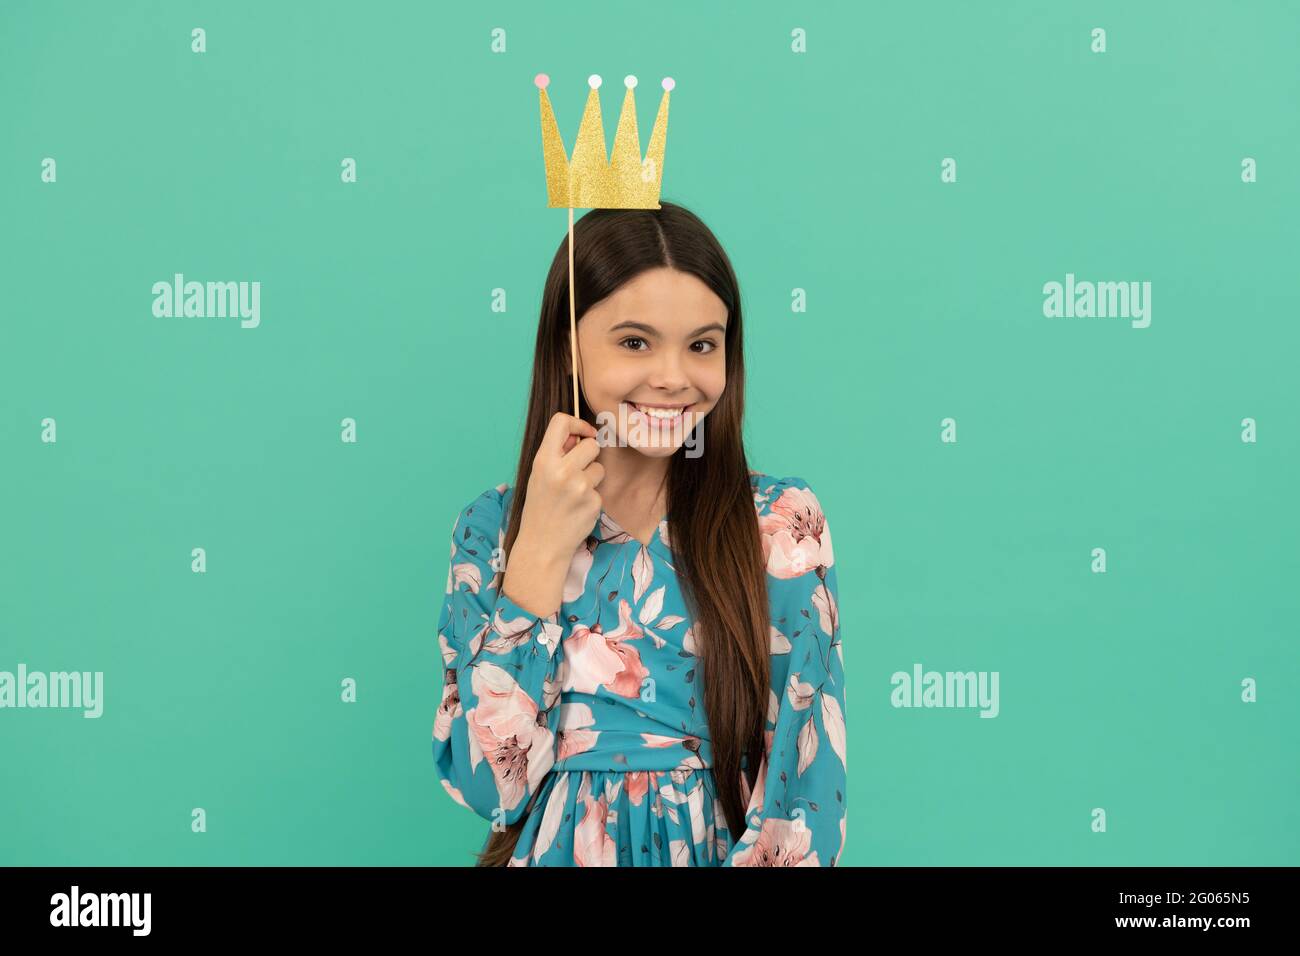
(819, 171)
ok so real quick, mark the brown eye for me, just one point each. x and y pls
(633, 338)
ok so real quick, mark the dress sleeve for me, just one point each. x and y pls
(494, 732)
(796, 812)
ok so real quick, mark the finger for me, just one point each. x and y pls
(583, 453)
(594, 472)
(561, 427)
(557, 429)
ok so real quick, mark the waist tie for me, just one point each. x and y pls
(628, 751)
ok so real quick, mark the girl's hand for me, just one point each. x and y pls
(563, 503)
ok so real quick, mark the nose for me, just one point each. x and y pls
(669, 376)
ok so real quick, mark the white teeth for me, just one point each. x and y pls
(660, 413)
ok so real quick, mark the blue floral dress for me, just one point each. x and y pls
(598, 708)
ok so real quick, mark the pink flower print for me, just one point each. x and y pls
(636, 786)
(628, 682)
(781, 843)
(575, 579)
(576, 735)
(592, 846)
(795, 535)
(589, 661)
(594, 659)
(449, 708)
(466, 572)
(508, 732)
(627, 629)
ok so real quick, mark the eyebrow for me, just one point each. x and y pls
(650, 330)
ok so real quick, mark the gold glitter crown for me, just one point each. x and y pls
(589, 180)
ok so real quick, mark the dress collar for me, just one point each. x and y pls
(608, 531)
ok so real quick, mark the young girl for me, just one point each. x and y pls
(653, 676)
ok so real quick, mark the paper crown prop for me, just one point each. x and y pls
(589, 180)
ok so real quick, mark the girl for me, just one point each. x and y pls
(654, 677)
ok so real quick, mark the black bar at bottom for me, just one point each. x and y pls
(331, 904)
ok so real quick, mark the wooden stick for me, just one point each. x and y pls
(573, 321)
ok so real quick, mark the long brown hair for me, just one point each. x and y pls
(713, 531)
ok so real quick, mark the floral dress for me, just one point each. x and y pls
(598, 708)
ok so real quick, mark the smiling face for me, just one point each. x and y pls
(656, 348)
